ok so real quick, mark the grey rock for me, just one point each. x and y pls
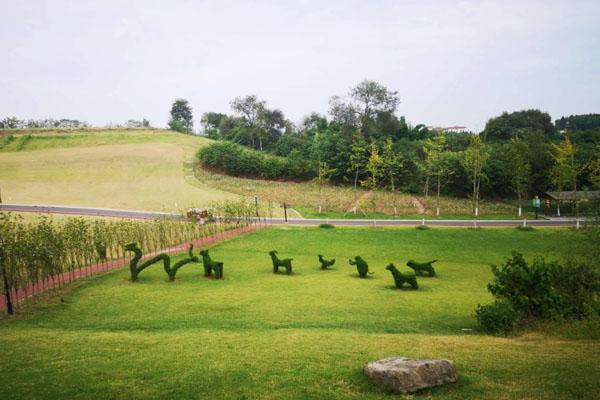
(407, 375)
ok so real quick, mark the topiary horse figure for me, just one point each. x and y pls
(325, 264)
(133, 264)
(285, 262)
(361, 266)
(210, 265)
(400, 279)
(171, 272)
(422, 268)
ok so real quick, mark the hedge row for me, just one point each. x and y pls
(237, 160)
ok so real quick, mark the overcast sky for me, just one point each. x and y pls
(452, 62)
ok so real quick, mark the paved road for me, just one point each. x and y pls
(109, 212)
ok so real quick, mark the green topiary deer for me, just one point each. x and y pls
(171, 272)
(361, 266)
(422, 268)
(210, 265)
(286, 263)
(325, 264)
(133, 264)
(400, 279)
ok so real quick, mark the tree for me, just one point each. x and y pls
(390, 163)
(432, 150)
(566, 169)
(520, 168)
(374, 166)
(211, 122)
(578, 122)
(595, 169)
(358, 155)
(506, 126)
(263, 125)
(324, 172)
(181, 116)
(365, 101)
(474, 160)
(248, 108)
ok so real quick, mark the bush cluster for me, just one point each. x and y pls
(237, 160)
(539, 291)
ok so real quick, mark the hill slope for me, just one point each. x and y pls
(131, 169)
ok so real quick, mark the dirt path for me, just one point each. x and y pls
(356, 203)
(20, 294)
(418, 205)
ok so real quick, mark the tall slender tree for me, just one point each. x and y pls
(359, 155)
(566, 169)
(520, 168)
(391, 162)
(474, 160)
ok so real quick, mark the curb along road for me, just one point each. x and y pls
(467, 223)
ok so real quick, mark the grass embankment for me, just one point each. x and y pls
(260, 335)
(137, 169)
(336, 201)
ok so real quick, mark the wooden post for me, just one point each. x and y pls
(285, 211)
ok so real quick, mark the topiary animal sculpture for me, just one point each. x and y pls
(133, 264)
(422, 268)
(400, 279)
(285, 262)
(325, 264)
(171, 272)
(210, 265)
(361, 266)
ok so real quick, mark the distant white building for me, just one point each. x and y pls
(447, 128)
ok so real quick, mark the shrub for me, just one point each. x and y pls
(237, 160)
(498, 317)
(326, 226)
(542, 290)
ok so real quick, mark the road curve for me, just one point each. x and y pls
(110, 212)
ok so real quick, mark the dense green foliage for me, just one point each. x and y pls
(582, 122)
(181, 119)
(540, 290)
(510, 125)
(498, 317)
(517, 147)
(237, 160)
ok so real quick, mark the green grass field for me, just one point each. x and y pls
(304, 336)
(143, 170)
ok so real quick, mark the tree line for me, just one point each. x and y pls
(364, 143)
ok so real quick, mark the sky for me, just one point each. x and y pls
(452, 62)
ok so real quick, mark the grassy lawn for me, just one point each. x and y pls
(304, 336)
(115, 169)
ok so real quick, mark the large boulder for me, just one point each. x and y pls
(407, 375)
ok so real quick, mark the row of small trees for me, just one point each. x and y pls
(38, 251)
